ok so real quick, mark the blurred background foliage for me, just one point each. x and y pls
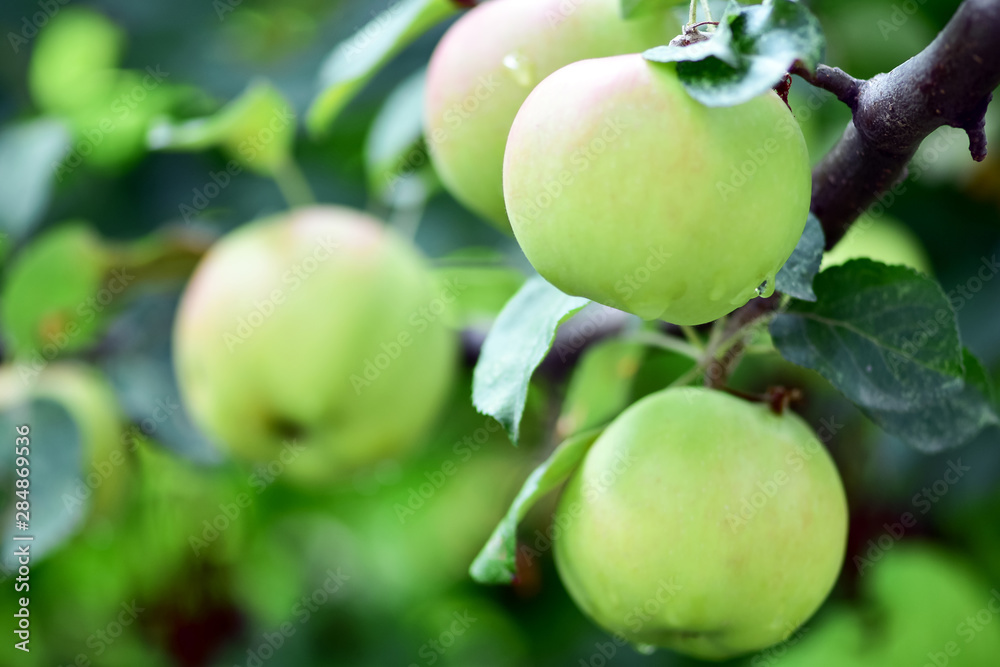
(156, 559)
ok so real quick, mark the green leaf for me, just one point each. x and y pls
(393, 148)
(630, 9)
(750, 51)
(887, 338)
(58, 292)
(355, 61)
(257, 129)
(950, 422)
(55, 464)
(29, 156)
(496, 563)
(516, 344)
(796, 277)
(601, 385)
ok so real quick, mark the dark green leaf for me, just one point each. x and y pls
(952, 421)
(750, 51)
(496, 563)
(886, 337)
(55, 464)
(29, 157)
(516, 344)
(355, 61)
(796, 277)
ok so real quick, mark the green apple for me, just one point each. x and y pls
(702, 523)
(921, 606)
(73, 63)
(623, 189)
(882, 239)
(91, 402)
(487, 63)
(320, 327)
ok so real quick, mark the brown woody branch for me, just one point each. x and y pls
(949, 83)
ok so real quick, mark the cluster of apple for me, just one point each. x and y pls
(542, 116)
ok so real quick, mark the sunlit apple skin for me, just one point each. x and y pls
(883, 239)
(623, 189)
(702, 523)
(317, 327)
(489, 60)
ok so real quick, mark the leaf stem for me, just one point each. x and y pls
(663, 341)
(293, 184)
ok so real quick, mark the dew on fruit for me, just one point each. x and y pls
(644, 649)
(766, 288)
(520, 67)
(718, 290)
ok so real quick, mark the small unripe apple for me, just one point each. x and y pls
(487, 63)
(320, 327)
(883, 239)
(622, 188)
(702, 523)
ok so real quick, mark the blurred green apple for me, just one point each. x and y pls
(924, 606)
(714, 211)
(487, 63)
(74, 60)
(702, 523)
(882, 239)
(314, 341)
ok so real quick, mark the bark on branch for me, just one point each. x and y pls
(948, 83)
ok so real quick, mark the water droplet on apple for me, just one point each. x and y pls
(644, 649)
(520, 68)
(766, 288)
